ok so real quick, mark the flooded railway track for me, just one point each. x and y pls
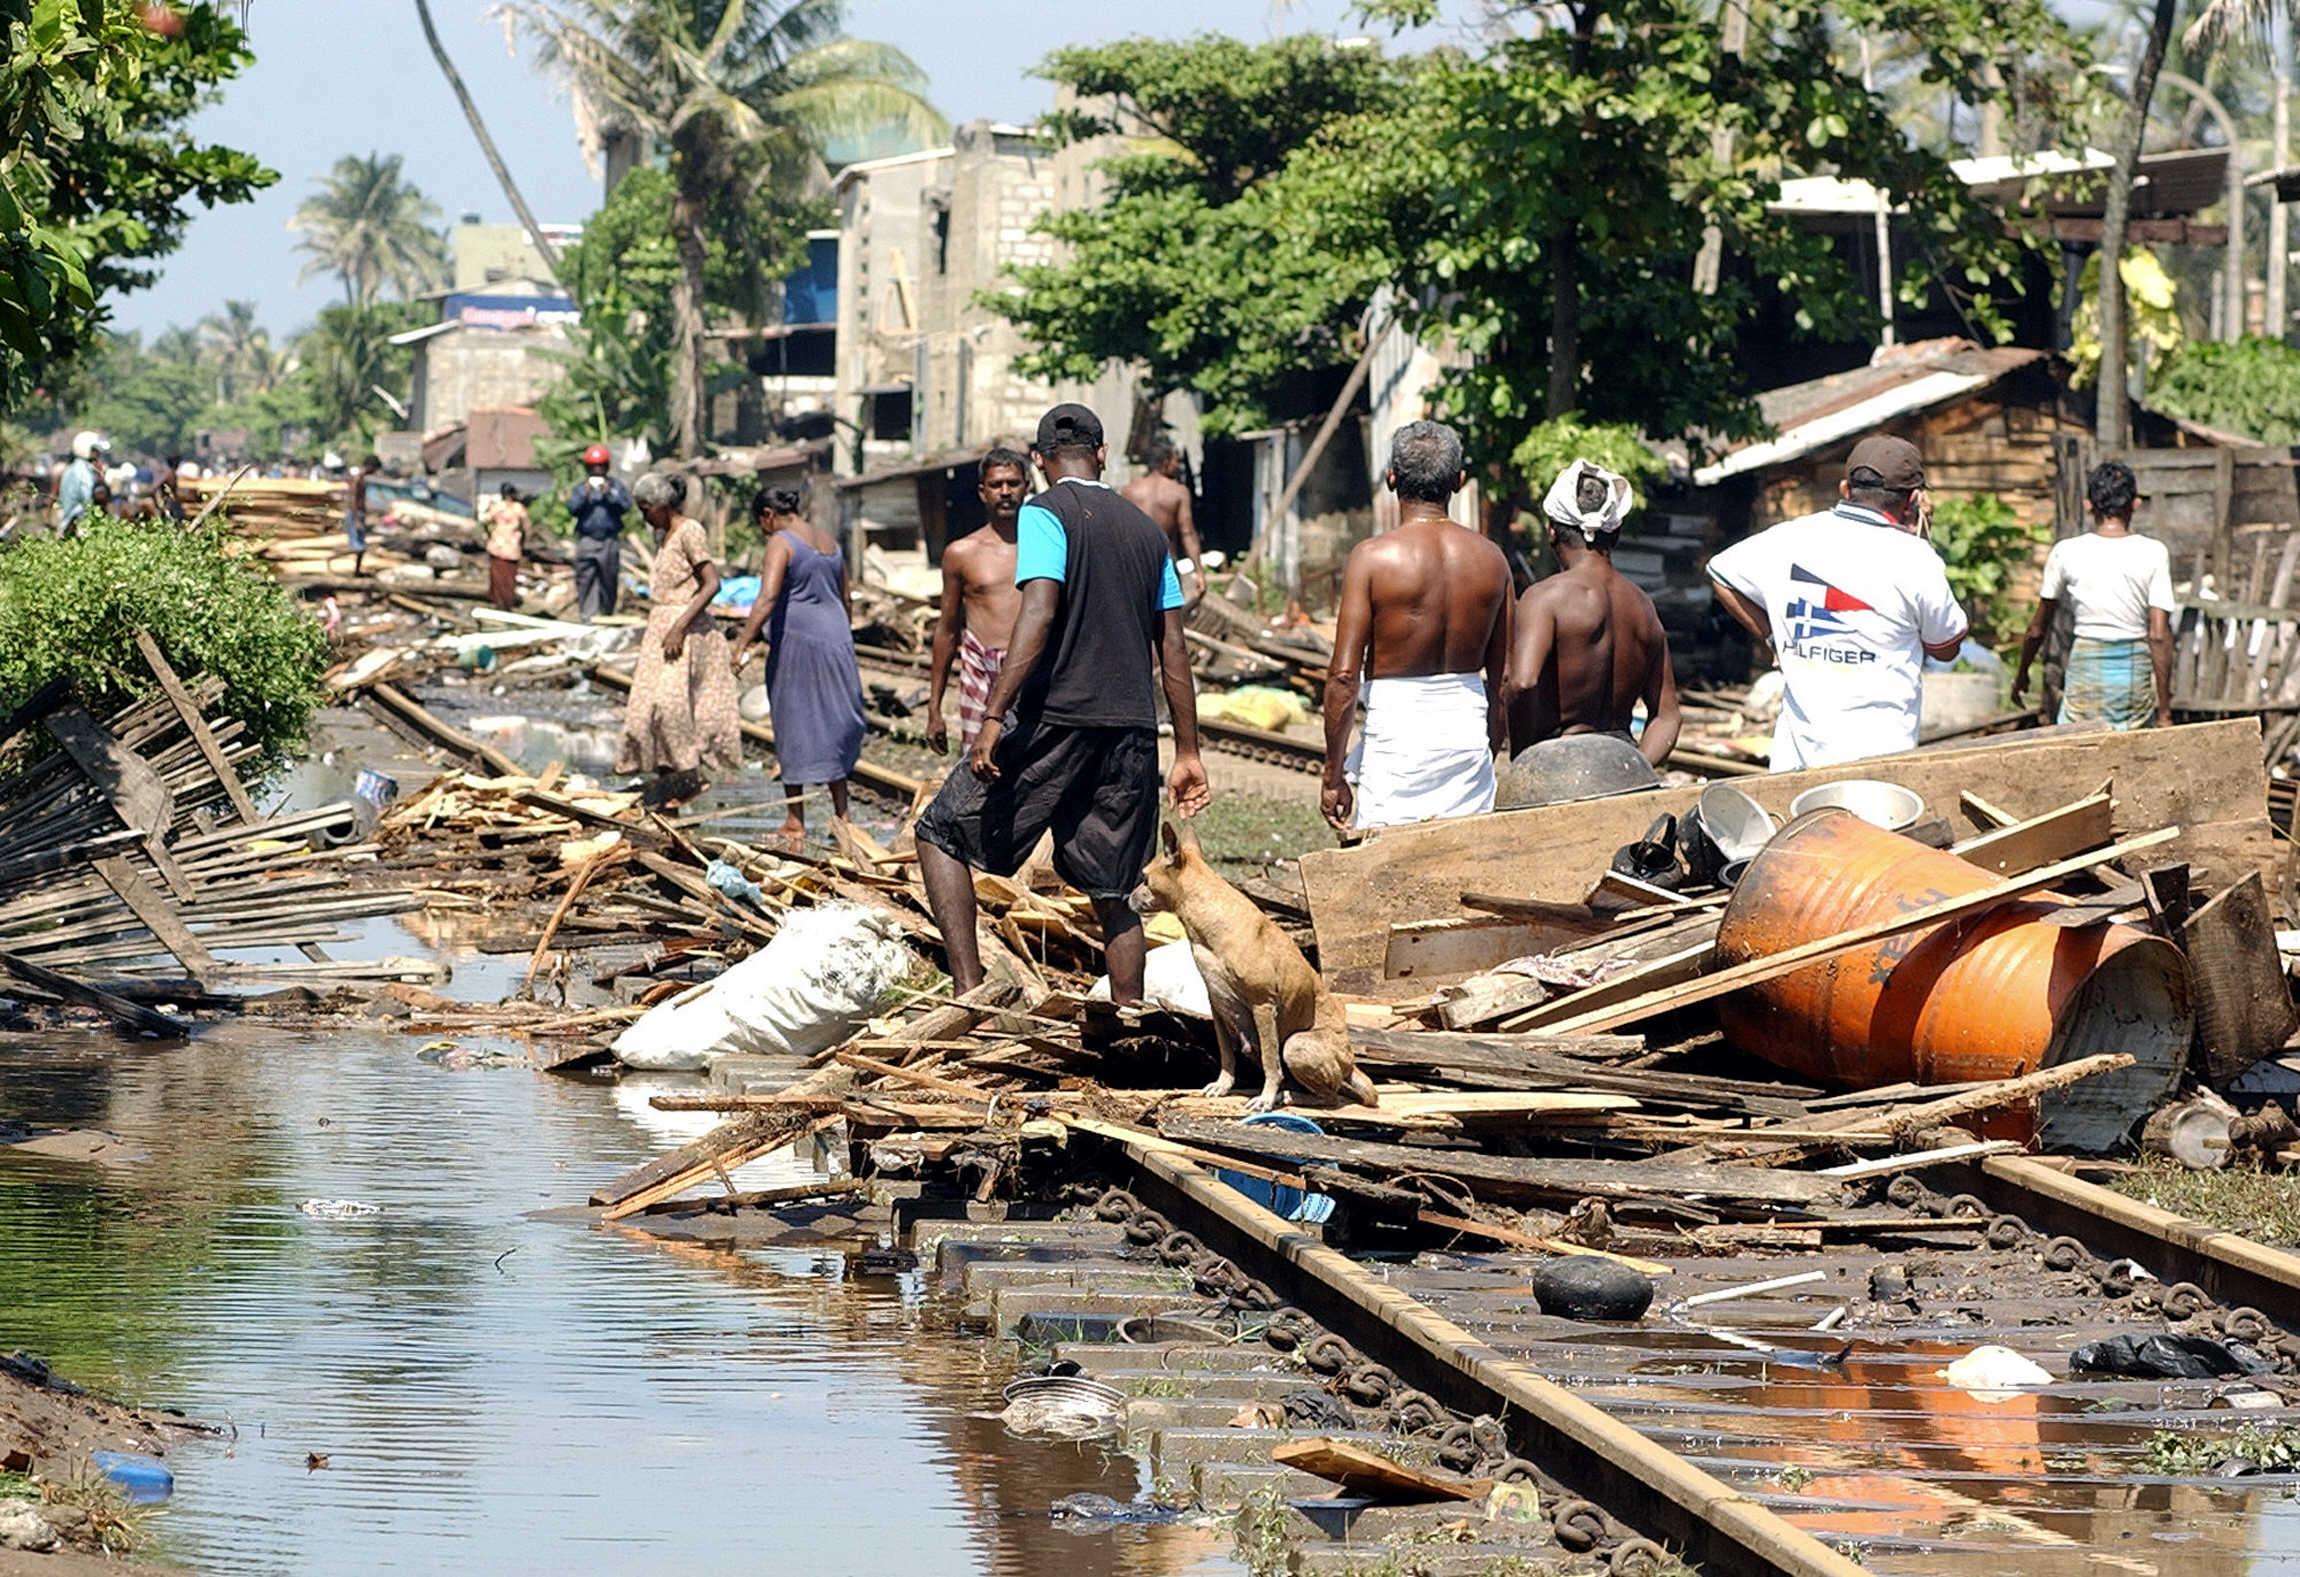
(1810, 1427)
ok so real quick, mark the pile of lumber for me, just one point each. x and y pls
(1577, 1102)
(132, 846)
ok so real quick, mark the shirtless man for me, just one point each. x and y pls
(1159, 493)
(1588, 644)
(979, 601)
(1425, 623)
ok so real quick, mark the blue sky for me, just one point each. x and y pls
(353, 76)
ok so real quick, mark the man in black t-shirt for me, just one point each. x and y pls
(1070, 737)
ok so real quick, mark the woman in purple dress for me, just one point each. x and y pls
(814, 689)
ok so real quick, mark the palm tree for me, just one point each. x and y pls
(236, 340)
(518, 199)
(371, 228)
(742, 95)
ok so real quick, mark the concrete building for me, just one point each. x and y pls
(487, 255)
(497, 346)
(925, 376)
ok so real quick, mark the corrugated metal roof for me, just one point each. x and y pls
(1903, 380)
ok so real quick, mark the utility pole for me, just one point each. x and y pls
(1733, 37)
(1884, 221)
(2279, 223)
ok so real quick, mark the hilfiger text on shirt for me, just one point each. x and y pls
(1819, 629)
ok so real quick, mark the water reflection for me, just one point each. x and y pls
(495, 1392)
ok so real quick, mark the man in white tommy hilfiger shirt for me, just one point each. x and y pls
(1852, 600)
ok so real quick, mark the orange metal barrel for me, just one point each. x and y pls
(1993, 996)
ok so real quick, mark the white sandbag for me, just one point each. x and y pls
(1170, 980)
(826, 970)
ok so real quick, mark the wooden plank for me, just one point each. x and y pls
(1369, 1473)
(128, 1015)
(1511, 1177)
(2243, 1006)
(1773, 966)
(1535, 1059)
(2207, 778)
(149, 907)
(752, 1135)
(1419, 949)
(434, 730)
(122, 776)
(188, 714)
(2055, 835)
(1678, 968)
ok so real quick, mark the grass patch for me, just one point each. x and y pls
(2264, 1206)
(1241, 833)
(1262, 1533)
(19, 1486)
(115, 1524)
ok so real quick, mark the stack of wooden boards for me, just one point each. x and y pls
(132, 846)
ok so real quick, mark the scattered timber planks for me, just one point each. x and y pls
(752, 1135)
(126, 1014)
(1539, 1060)
(433, 730)
(1513, 1177)
(2204, 777)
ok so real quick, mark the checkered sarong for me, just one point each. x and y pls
(2109, 682)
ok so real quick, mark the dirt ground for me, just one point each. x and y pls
(47, 1430)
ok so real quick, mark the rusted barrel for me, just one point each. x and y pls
(1992, 996)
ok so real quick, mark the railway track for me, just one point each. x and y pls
(1809, 1428)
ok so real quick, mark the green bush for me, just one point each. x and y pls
(1982, 543)
(73, 607)
(1561, 440)
(2250, 388)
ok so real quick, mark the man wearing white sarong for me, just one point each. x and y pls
(1422, 637)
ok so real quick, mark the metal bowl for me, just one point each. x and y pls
(1880, 804)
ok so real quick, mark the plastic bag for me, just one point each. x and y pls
(1170, 980)
(807, 990)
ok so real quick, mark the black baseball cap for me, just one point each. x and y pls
(1068, 427)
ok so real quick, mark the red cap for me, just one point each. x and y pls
(597, 455)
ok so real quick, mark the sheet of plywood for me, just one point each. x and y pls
(2206, 778)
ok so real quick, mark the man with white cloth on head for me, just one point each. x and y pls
(1423, 638)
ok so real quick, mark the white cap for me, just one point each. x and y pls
(86, 445)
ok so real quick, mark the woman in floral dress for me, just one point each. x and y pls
(681, 717)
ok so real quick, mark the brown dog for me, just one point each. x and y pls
(1265, 994)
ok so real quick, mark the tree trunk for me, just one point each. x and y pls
(2111, 388)
(688, 393)
(1565, 256)
(549, 253)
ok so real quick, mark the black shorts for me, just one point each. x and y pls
(1096, 787)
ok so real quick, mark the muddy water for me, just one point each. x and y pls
(491, 1391)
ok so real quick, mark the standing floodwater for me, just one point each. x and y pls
(494, 1393)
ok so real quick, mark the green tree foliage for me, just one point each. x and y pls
(624, 273)
(1196, 264)
(73, 607)
(740, 97)
(1552, 190)
(1982, 544)
(2250, 388)
(371, 228)
(1580, 168)
(1557, 443)
(98, 173)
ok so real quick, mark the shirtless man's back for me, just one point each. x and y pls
(1588, 647)
(1424, 623)
(1158, 492)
